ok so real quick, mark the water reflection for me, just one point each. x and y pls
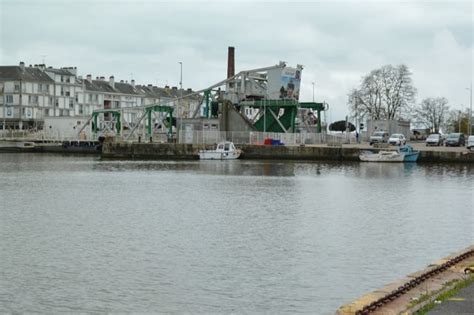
(83, 234)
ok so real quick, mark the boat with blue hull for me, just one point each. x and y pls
(401, 155)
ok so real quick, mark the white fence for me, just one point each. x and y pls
(28, 135)
(210, 137)
(193, 137)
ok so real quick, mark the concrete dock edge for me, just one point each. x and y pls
(416, 298)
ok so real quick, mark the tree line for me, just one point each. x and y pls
(389, 93)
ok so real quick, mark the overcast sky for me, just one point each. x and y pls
(337, 42)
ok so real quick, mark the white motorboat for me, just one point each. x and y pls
(224, 151)
(403, 154)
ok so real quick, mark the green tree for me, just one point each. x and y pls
(341, 126)
(458, 121)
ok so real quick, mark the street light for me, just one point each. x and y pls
(181, 75)
(313, 90)
(179, 100)
(470, 111)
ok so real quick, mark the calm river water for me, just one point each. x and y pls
(78, 234)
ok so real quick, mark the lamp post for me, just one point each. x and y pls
(313, 90)
(179, 99)
(181, 75)
(470, 111)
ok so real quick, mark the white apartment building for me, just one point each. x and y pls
(28, 95)
(67, 89)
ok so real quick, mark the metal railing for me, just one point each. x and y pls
(189, 137)
(252, 137)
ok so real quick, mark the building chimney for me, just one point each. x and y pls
(112, 81)
(22, 66)
(133, 82)
(89, 78)
(230, 62)
(72, 70)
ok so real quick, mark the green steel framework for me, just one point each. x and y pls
(115, 113)
(163, 109)
(270, 122)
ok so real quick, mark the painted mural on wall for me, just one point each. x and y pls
(290, 84)
(284, 83)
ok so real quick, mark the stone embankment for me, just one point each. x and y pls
(285, 152)
(416, 290)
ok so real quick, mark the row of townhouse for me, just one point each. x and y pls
(29, 95)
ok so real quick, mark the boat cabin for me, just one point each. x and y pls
(225, 146)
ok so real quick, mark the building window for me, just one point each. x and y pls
(96, 97)
(32, 99)
(46, 88)
(9, 98)
(62, 79)
(71, 103)
(17, 88)
(50, 100)
(46, 112)
(81, 109)
(57, 103)
(40, 87)
(117, 104)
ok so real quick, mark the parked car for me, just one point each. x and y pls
(470, 143)
(434, 139)
(397, 139)
(455, 140)
(378, 137)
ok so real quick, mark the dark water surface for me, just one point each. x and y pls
(78, 234)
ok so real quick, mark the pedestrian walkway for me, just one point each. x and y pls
(461, 303)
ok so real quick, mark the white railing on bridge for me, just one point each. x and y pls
(190, 137)
(211, 137)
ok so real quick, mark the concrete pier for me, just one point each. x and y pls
(415, 298)
(286, 152)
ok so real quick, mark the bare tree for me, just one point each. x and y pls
(433, 113)
(458, 121)
(384, 93)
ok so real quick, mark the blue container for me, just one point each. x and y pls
(275, 142)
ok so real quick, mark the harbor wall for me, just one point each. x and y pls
(313, 153)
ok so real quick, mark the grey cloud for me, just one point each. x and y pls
(337, 42)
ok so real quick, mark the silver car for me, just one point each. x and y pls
(434, 139)
(470, 143)
(378, 137)
(397, 139)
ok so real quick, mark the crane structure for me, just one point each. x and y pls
(262, 99)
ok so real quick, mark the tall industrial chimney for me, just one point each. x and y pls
(230, 63)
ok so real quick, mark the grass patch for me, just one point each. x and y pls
(459, 284)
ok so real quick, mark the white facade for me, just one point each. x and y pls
(48, 92)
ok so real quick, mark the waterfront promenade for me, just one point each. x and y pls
(341, 152)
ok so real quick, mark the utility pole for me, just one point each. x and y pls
(179, 100)
(469, 132)
(313, 90)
